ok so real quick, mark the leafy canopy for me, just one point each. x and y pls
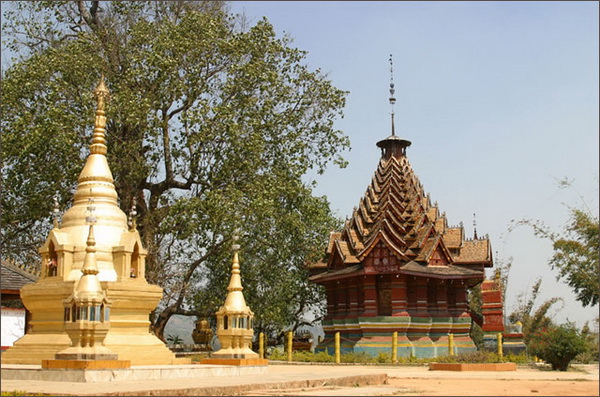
(212, 126)
(575, 250)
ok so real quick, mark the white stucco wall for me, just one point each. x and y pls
(13, 325)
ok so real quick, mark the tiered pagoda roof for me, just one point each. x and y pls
(396, 213)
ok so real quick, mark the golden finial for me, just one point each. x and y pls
(89, 262)
(235, 284)
(56, 213)
(102, 95)
(89, 282)
(133, 215)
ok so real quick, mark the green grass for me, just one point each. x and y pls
(386, 358)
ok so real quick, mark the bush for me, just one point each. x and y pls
(476, 357)
(520, 358)
(557, 345)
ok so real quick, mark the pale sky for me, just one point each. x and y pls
(499, 100)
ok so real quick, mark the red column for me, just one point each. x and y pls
(399, 295)
(353, 299)
(330, 288)
(461, 298)
(370, 293)
(432, 304)
(360, 296)
(340, 300)
(421, 285)
(441, 296)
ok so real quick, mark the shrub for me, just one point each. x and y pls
(478, 357)
(383, 357)
(520, 358)
(557, 345)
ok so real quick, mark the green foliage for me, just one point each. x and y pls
(520, 358)
(301, 356)
(591, 345)
(478, 357)
(575, 250)
(533, 321)
(360, 357)
(481, 356)
(576, 256)
(557, 345)
(213, 125)
(174, 339)
(383, 357)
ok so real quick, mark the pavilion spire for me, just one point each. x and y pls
(392, 92)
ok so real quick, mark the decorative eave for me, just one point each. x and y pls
(350, 271)
(413, 268)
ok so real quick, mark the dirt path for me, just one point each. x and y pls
(450, 387)
(415, 382)
(494, 387)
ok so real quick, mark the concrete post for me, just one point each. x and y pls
(289, 346)
(261, 345)
(395, 347)
(337, 347)
(499, 339)
(450, 344)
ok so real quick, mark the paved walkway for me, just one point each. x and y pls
(297, 377)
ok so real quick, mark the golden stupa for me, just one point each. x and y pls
(235, 322)
(120, 260)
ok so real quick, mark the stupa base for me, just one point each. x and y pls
(235, 361)
(78, 356)
(85, 364)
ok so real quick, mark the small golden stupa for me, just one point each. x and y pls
(235, 322)
(87, 317)
(119, 268)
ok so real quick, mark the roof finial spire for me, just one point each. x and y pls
(235, 283)
(56, 213)
(474, 227)
(102, 95)
(392, 91)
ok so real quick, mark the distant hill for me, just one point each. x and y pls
(181, 326)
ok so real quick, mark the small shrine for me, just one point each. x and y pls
(398, 266)
(235, 322)
(491, 320)
(87, 318)
(92, 299)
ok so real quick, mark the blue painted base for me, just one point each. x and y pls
(422, 337)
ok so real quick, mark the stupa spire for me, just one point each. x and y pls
(392, 91)
(89, 282)
(102, 95)
(96, 180)
(235, 298)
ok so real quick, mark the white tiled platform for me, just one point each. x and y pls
(141, 372)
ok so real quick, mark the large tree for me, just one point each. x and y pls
(576, 249)
(213, 125)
